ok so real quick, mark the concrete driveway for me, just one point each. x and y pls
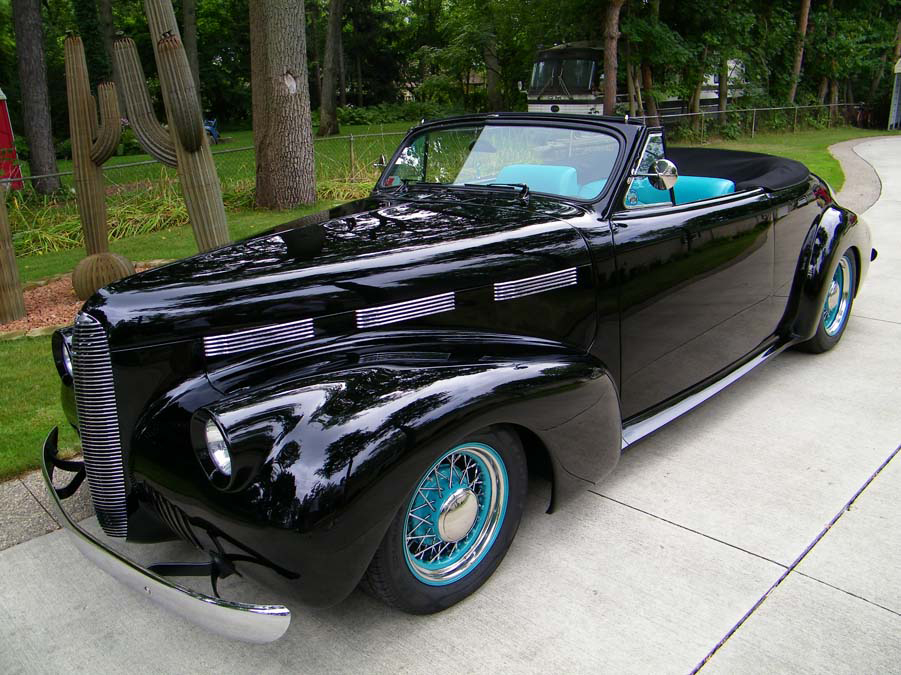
(759, 533)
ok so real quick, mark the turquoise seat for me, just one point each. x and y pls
(557, 180)
(688, 189)
(592, 189)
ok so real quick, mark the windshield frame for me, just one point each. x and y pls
(593, 124)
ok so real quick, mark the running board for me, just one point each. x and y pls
(635, 431)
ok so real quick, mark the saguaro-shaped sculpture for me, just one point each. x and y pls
(92, 144)
(12, 303)
(184, 145)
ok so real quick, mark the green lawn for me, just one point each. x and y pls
(29, 405)
(808, 147)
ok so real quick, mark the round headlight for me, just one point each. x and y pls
(217, 447)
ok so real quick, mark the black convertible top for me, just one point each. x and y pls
(746, 169)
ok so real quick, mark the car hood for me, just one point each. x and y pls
(363, 254)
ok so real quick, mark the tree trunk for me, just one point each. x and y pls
(723, 90)
(630, 84)
(316, 92)
(799, 50)
(342, 71)
(823, 90)
(282, 128)
(696, 94)
(328, 115)
(12, 301)
(611, 42)
(189, 38)
(647, 81)
(35, 99)
(493, 75)
(359, 87)
(635, 72)
(108, 28)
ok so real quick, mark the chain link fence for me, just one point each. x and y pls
(338, 158)
(748, 122)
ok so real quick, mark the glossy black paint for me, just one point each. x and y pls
(328, 435)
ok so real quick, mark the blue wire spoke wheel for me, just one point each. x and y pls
(455, 514)
(838, 298)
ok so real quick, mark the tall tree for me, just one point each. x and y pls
(282, 128)
(611, 43)
(108, 30)
(87, 18)
(799, 49)
(35, 100)
(328, 113)
(189, 37)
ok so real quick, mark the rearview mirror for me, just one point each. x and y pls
(664, 174)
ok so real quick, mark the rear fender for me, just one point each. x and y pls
(835, 230)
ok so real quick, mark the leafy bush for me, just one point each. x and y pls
(22, 149)
(441, 89)
(64, 149)
(128, 144)
(387, 113)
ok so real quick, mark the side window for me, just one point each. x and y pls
(641, 193)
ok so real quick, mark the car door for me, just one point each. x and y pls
(696, 287)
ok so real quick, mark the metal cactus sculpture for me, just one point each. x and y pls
(93, 143)
(184, 145)
(12, 303)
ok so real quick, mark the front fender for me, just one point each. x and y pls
(335, 456)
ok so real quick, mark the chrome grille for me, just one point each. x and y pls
(98, 424)
(176, 519)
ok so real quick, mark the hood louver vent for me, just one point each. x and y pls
(510, 290)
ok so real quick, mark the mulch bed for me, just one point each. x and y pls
(51, 304)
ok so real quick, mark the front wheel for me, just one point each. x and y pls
(837, 308)
(454, 527)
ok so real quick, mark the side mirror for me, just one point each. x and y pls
(381, 163)
(664, 175)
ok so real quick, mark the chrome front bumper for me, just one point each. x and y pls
(239, 621)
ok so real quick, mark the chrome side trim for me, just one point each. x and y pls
(254, 338)
(510, 290)
(402, 311)
(637, 430)
(234, 620)
(98, 423)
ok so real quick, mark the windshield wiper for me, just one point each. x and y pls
(522, 187)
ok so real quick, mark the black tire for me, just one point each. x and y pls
(398, 571)
(834, 319)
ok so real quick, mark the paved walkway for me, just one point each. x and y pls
(759, 533)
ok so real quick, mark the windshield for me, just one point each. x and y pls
(542, 72)
(552, 160)
(577, 74)
(563, 76)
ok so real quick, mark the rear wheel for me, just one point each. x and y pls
(837, 308)
(455, 526)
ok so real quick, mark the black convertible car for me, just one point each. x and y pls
(358, 397)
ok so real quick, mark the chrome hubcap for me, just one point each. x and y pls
(458, 515)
